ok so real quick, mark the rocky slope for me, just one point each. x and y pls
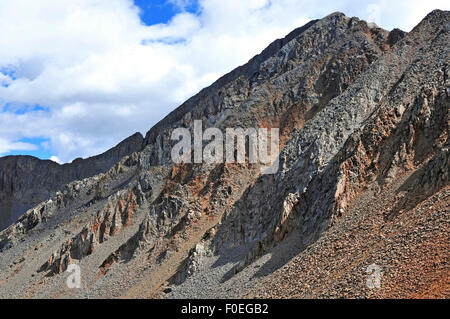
(363, 178)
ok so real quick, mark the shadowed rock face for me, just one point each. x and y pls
(26, 181)
(361, 111)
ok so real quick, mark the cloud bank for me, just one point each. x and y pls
(82, 75)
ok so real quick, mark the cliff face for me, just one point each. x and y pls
(362, 113)
(25, 181)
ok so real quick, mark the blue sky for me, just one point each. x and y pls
(79, 76)
(151, 12)
(42, 151)
(161, 11)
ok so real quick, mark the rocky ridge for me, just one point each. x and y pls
(25, 181)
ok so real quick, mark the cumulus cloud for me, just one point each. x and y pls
(101, 74)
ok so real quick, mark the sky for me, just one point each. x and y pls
(79, 76)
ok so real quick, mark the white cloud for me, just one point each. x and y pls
(104, 75)
(8, 146)
(55, 159)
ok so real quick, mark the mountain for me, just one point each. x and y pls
(25, 181)
(362, 183)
